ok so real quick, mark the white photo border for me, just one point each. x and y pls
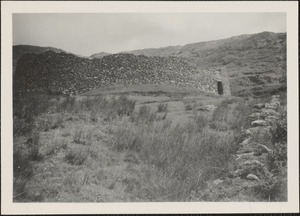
(10, 7)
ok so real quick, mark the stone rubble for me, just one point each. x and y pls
(258, 123)
(207, 108)
(252, 177)
(69, 74)
(259, 106)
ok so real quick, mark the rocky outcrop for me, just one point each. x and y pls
(70, 74)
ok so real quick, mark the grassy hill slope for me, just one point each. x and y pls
(254, 62)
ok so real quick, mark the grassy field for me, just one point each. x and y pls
(124, 145)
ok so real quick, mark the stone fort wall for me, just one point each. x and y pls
(70, 74)
(213, 80)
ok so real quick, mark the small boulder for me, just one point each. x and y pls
(255, 116)
(258, 123)
(240, 156)
(252, 177)
(245, 141)
(271, 120)
(257, 153)
(245, 150)
(236, 173)
(269, 112)
(252, 163)
(255, 130)
(247, 133)
(273, 106)
(276, 97)
(259, 106)
(218, 181)
(207, 108)
(263, 149)
(275, 101)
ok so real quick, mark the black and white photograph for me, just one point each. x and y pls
(153, 107)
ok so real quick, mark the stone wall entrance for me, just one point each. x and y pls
(220, 88)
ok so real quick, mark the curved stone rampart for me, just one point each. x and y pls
(70, 74)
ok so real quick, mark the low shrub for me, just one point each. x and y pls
(162, 107)
(67, 105)
(189, 106)
(279, 131)
(201, 122)
(22, 166)
(145, 115)
(277, 161)
(240, 115)
(124, 106)
(118, 107)
(45, 122)
(55, 146)
(219, 125)
(81, 137)
(71, 183)
(76, 156)
(93, 116)
(58, 122)
(221, 112)
(34, 147)
(78, 137)
(28, 106)
(23, 169)
(127, 139)
(272, 188)
(22, 127)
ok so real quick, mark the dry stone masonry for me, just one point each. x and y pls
(252, 154)
(252, 169)
(70, 74)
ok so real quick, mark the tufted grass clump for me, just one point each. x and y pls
(123, 106)
(145, 116)
(127, 139)
(25, 109)
(24, 157)
(277, 161)
(162, 107)
(76, 156)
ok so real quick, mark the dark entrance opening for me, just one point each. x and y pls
(220, 88)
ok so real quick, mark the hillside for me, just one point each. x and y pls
(99, 55)
(254, 62)
(70, 74)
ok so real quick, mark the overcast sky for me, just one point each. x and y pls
(86, 34)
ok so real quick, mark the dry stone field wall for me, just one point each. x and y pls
(70, 74)
(255, 169)
(253, 157)
(252, 153)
